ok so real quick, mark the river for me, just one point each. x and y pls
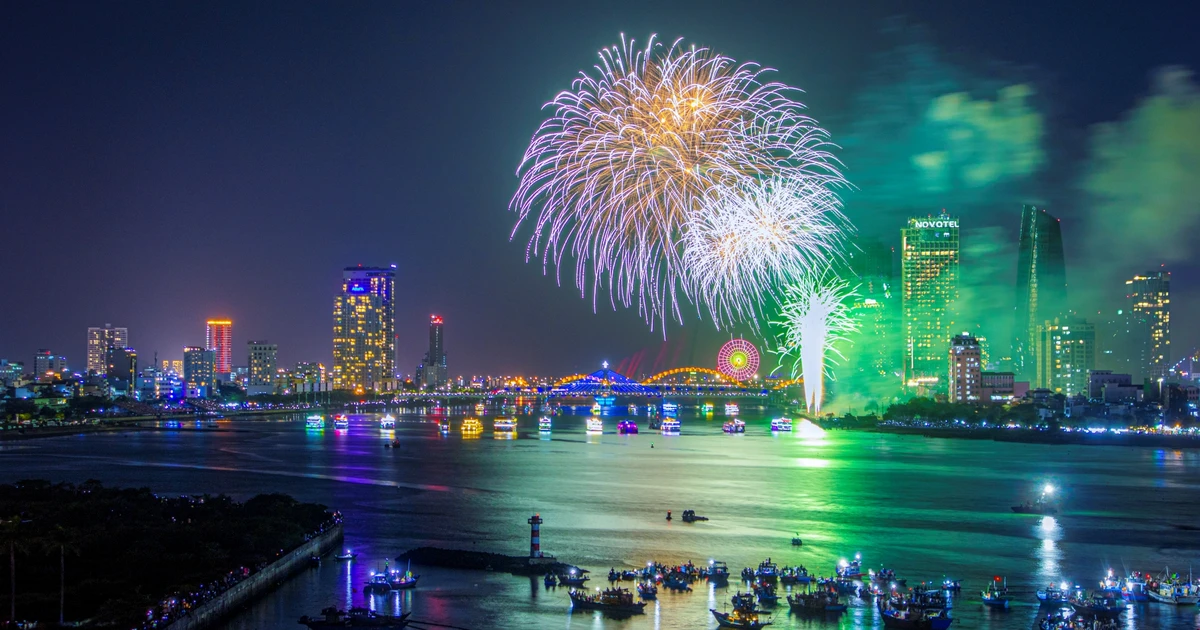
(925, 507)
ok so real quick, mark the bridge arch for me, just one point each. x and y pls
(689, 370)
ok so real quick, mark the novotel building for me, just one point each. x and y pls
(364, 329)
(929, 276)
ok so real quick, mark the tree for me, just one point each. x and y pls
(64, 541)
(12, 537)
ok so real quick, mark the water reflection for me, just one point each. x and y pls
(1049, 556)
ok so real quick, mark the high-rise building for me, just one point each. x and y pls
(99, 340)
(1065, 350)
(12, 373)
(364, 329)
(874, 370)
(433, 370)
(966, 367)
(199, 371)
(121, 369)
(929, 272)
(1150, 301)
(218, 337)
(263, 362)
(1041, 282)
(46, 364)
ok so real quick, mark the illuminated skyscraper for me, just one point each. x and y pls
(218, 337)
(199, 371)
(262, 359)
(1065, 350)
(433, 370)
(1041, 283)
(99, 340)
(1150, 300)
(966, 368)
(364, 329)
(929, 260)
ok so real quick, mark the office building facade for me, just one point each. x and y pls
(929, 278)
(364, 329)
(966, 366)
(433, 370)
(47, 365)
(1041, 282)
(262, 359)
(218, 337)
(1065, 351)
(199, 371)
(99, 340)
(1149, 297)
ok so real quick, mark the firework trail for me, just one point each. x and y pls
(632, 149)
(814, 317)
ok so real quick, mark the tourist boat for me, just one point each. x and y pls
(545, 424)
(731, 409)
(378, 584)
(480, 408)
(850, 570)
(632, 410)
(669, 407)
(690, 516)
(1097, 605)
(387, 422)
(996, 595)
(355, 618)
(472, 425)
(1054, 594)
(505, 424)
(915, 619)
(818, 602)
(572, 578)
(596, 409)
(444, 427)
(670, 426)
(613, 600)
(341, 422)
(403, 580)
(734, 426)
(647, 590)
(627, 427)
(315, 421)
(718, 572)
(743, 617)
(767, 571)
(781, 425)
(595, 425)
(346, 555)
(707, 408)
(550, 580)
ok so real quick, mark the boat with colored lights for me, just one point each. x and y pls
(817, 602)
(627, 427)
(1043, 506)
(795, 575)
(670, 426)
(1169, 589)
(718, 572)
(377, 585)
(915, 619)
(315, 422)
(1097, 605)
(505, 424)
(403, 580)
(996, 594)
(742, 617)
(731, 409)
(340, 421)
(734, 426)
(355, 618)
(572, 578)
(545, 424)
(472, 425)
(1052, 595)
(444, 427)
(781, 425)
(480, 408)
(647, 590)
(767, 571)
(596, 409)
(595, 425)
(387, 422)
(850, 570)
(707, 408)
(612, 600)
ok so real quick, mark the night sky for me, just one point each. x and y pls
(166, 162)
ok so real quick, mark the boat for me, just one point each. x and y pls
(596, 409)
(387, 422)
(647, 590)
(377, 585)
(781, 425)
(505, 424)
(718, 572)
(545, 424)
(403, 580)
(676, 582)
(1097, 605)
(1169, 589)
(850, 570)
(795, 575)
(1134, 587)
(472, 425)
(885, 576)
(550, 580)
(669, 407)
(707, 408)
(734, 426)
(572, 578)
(341, 422)
(797, 541)
(765, 591)
(767, 571)
(996, 594)
(743, 617)
(731, 409)
(354, 618)
(633, 409)
(953, 586)
(627, 427)
(1043, 506)
(315, 421)
(818, 602)
(1054, 594)
(613, 600)
(595, 425)
(690, 516)
(480, 408)
(346, 555)
(915, 619)
(670, 426)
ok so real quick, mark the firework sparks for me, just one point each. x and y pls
(632, 149)
(814, 318)
(744, 242)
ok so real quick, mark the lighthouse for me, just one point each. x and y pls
(535, 540)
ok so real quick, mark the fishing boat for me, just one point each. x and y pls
(377, 585)
(1053, 595)
(572, 578)
(718, 572)
(1097, 605)
(742, 617)
(952, 586)
(670, 426)
(915, 619)
(355, 618)
(595, 425)
(818, 602)
(795, 575)
(315, 421)
(505, 424)
(1169, 589)
(996, 594)
(850, 570)
(690, 516)
(647, 590)
(472, 425)
(550, 580)
(341, 422)
(676, 582)
(797, 541)
(731, 409)
(767, 571)
(885, 576)
(613, 600)
(596, 409)
(1134, 587)
(346, 555)
(387, 422)
(781, 425)
(1043, 506)
(707, 408)
(545, 424)
(766, 593)
(444, 427)
(627, 427)
(403, 580)
(734, 426)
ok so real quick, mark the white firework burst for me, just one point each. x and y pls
(814, 317)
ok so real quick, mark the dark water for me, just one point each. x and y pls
(924, 507)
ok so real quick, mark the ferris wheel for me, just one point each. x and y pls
(738, 359)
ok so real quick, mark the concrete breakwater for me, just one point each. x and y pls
(483, 561)
(211, 613)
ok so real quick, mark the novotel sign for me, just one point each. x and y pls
(935, 223)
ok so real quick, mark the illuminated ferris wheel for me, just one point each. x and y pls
(738, 359)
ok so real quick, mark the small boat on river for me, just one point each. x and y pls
(670, 426)
(741, 618)
(387, 422)
(595, 425)
(996, 595)
(818, 602)
(1097, 605)
(378, 585)
(505, 424)
(781, 425)
(355, 618)
(1170, 589)
(611, 600)
(690, 516)
(627, 427)
(850, 570)
(647, 591)
(315, 421)
(734, 426)
(472, 425)
(1054, 595)
(346, 555)
(341, 422)
(718, 572)
(572, 578)
(545, 424)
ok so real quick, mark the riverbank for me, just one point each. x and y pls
(128, 423)
(1033, 436)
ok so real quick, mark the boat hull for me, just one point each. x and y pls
(1177, 600)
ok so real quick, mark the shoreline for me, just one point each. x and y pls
(1031, 436)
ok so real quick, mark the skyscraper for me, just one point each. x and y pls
(46, 363)
(433, 370)
(1065, 350)
(1041, 283)
(364, 329)
(218, 337)
(262, 361)
(929, 260)
(99, 340)
(966, 367)
(1150, 300)
(199, 371)
(121, 369)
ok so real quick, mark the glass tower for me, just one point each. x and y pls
(1150, 301)
(929, 272)
(434, 368)
(218, 337)
(1041, 283)
(364, 329)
